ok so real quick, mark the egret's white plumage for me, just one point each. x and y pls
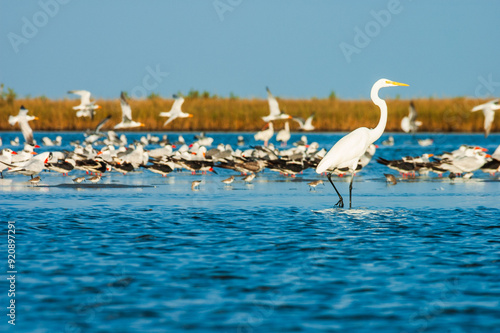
(176, 111)
(489, 114)
(127, 121)
(349, 149)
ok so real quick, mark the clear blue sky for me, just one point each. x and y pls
(440, 48)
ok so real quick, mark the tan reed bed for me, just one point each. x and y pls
(224, 114)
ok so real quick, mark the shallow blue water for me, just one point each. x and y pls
(421, 256)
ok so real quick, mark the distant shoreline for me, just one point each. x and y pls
(244, 115)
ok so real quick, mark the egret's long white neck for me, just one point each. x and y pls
(377, 132)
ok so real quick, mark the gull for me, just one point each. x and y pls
(489, 114)
(33, 166)
(313, 184)
(92, 136)
(410, 122)
(86, 107)
(425, 142)
(175, 112)
(349, 149)
(22, 119)
(127, 121)
(6, 157)
(307, 125)
(266, 134)
(274, 109)
(284, 135)
(389, 141)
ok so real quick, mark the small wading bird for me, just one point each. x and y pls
(86, 107)
(35, 181)
(390, 178)
(228, 181)
(195, 185)
(348, 150)
(175, 112)
(489, 114)
(78, 180)
(127, 121)
(314, 183)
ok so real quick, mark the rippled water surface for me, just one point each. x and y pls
(148, 254)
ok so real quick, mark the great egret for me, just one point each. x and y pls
(127, 121)
(348, 150)
(489, 114)
(175, 112)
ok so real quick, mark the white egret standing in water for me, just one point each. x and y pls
(348, 150)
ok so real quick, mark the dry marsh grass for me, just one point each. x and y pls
(223, 114)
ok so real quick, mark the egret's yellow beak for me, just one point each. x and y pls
(397, 83)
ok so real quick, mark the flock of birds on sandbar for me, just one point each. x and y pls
(349, 155)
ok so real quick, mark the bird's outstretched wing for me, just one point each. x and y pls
(176, 107)
(169, 120)
(412, 112)
(84, 95)
(26, 130)
(274, 108)
(300, 121)
(101, 124)
(309, 121)
(126, 110)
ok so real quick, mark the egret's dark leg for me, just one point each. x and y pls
(350, 191)
(340, 203)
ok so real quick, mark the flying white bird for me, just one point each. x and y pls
(22, 119)
(86, 107)
(489, 114)
(274, 109)
(307, 125)
(348, 150)
(127, 121)
(410, 122)
(175, 112)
